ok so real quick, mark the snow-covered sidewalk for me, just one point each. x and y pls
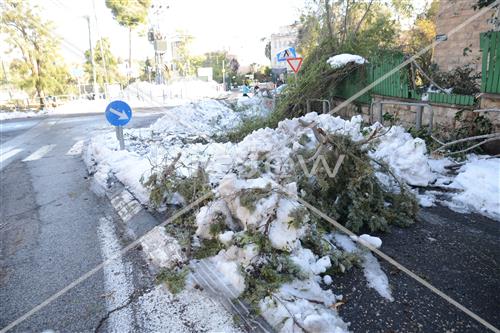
(187, 136)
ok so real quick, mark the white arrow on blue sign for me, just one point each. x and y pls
(118, 113)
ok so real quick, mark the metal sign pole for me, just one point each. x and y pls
(118, 113)
(119, 136)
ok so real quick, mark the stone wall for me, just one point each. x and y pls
(444, 114)
(450, 53)
(491, 101)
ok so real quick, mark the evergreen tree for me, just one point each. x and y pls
(105, 63)
(216, 60)
(39, 70)
(130, 14)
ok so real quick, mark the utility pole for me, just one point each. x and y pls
(103, 56)
(224, 74)
(94, 77)
(4, 79)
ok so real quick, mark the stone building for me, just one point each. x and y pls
(286, 37)
(462, 47)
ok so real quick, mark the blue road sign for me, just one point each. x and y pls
(286, 53)
(118, 113)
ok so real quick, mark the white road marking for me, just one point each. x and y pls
(116, 279)
(41, 152)
(6, 155)
(76, 149)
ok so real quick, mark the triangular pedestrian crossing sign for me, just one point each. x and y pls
(295, 63)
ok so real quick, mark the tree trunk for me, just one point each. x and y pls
(344, 36)
(38, 84)
(362, 18)
(129, 53)
(328, 19)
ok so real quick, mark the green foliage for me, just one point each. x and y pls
(249, 125)
(266, 275)
(182, 229)
(185, 63)
(299, 216)
(208, 248)
(253, 237)
(106, 64)
(218, 225)
(129, 13)
(342, 262)
(165, 183)
(464, 80)
(250, 197)
(175, 279)
(216, 60)
(421, 35)
(355, 197)
(317, 80)
(39, 69)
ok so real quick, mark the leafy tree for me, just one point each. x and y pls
(130, 14)
(184, 62)
(106, 64)
(421, 35)
(267, 50)
(39, 70)
(216, 60)
(234, 65)
(147, 70)
(264, 74)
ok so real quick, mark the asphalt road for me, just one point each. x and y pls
(457, 253)
(54, 227)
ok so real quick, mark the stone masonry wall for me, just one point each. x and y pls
(450, 53)
(444, 114)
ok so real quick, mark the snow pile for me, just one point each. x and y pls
(407, 156)
(204, 117)
(177, 93)
(5, 115)
(341, 60)
(251, 197)
(480, 181)
(184, 129)
(254, 106)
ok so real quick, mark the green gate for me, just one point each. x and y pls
(490, 45)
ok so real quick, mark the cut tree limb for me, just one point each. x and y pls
(479, 137)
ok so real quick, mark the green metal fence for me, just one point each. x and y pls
(396, 85)
(451, 99)
(490, 45)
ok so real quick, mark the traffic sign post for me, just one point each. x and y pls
(118, 113)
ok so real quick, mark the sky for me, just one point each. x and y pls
(236, 26)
